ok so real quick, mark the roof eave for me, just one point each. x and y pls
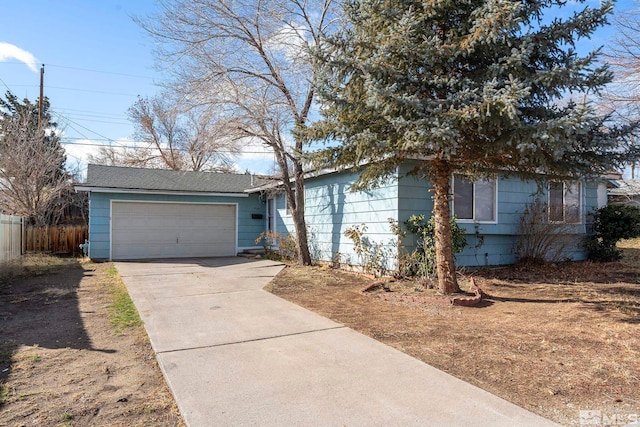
(92, 189)
(307, 175)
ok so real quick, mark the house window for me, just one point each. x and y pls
(474, 201)
(564, 202)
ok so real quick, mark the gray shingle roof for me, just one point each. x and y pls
(167, 180)
(628, 187)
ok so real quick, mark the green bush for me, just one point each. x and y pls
(612, 223)
(373, 256)
(424, 256)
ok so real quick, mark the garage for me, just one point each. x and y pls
(140, 213)
(142, 230)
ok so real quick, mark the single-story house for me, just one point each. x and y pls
(145, 213)
(489, 211)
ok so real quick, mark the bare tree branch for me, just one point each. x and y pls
(174, 137)
(621, 98)
(33, 182)
(249, 59)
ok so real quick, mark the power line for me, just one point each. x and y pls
(87, 113)
(5, 85)
(147, 146)
(72, 138)
(69, 121)
(74, 125)
(82, 90)
(112, 142)
(85, 128)
(114, 73)
(152, 147)
(123, 123)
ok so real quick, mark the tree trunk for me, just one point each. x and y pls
(302, 243)
(295, 200)
(445, 265)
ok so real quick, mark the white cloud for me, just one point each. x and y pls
(291, 42)
(255, 157)
(78, 152)
(9, 51)
(81, 150)
(256, 150)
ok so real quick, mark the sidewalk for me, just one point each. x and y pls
(234, 354)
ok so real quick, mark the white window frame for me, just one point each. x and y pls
(564, 203)
(473, 207)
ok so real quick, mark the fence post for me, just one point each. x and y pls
(11, 241)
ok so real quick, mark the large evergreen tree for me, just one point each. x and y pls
(469, 87)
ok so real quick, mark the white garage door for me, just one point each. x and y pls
(172, 230)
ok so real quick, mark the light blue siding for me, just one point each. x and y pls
(100, 216)
(494, 243)
(331, 208)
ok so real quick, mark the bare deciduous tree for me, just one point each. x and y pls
(174, 137)
(33, 182)
(622, 97)
(250, 59)
(624, 57)
(116, 155)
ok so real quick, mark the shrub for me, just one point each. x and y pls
(278, 246)
(373, 257)
(611, 224)
(540, 240)
(422, 261)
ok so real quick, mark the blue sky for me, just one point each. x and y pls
(97, 61)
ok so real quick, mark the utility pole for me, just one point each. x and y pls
(41, 96)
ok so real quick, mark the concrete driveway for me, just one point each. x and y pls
(234, 354)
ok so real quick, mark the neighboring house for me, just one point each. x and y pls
(489, 211)
(145, 213)
(625, 192)
(151, 213)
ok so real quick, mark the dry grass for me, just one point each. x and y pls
(62, 360)
(32, 265)
(554, 339)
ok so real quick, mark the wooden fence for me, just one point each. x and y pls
(11, 230)
(56, 239)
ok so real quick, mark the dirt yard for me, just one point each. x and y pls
(64, 363)
(555, 339)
